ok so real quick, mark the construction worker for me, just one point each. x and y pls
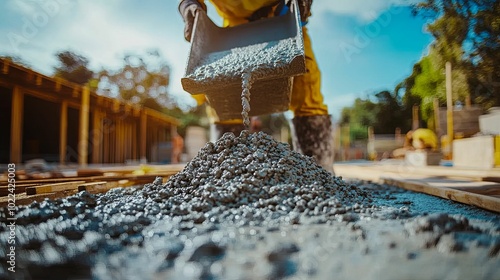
(418, 139)
(422, 139)
(312, 124)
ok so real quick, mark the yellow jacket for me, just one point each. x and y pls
(236, 12)
(424, 138)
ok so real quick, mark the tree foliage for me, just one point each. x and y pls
(385, 115)
(73, 67)
(143, 80)
(467, 34)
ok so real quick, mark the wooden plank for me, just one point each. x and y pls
(89, 172)
(63, 132)
(24, 199)
(485, 190)
(491, 179)
(16, 125)
(98, 187)
(96, 136)
(143, 135)
(48, 181)
(398, 170)
(482, 201)
(49, 188)
(20, 188)
(115, 177)
(83, 135)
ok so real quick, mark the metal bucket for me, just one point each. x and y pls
(270, 93)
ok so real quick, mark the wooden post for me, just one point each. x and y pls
(449, 104)
(63, 132)
(16, 127)
(371, 144)
(415, 118)
(397, 134)
(119, 141)
(143, 138)
(83, 139)
(468, 102)
(347, 143)
(437, 120)
(96, 136)
(134, 141)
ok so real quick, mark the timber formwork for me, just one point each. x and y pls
(84, 128)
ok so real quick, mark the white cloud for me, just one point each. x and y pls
(102, 33)
(364, 10)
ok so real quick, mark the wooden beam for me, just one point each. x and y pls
(16, 127)
(63, 132)
(437, 126)
(58, 84)
(24, 199)
(83, 139)
(116, 106)
(49, 188)
(482, 201)
(134, 140)
(96, 136)
(119, 142)
(20, 188)
(98, 187)
(75, 92)
(38, 80)
(5, 68)
(449, 104)
(142, 135)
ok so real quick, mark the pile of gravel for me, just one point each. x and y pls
(253, 180)
(249, 207)
(250, 180)
(261, 59)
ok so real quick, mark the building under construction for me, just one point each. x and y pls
(91, 128)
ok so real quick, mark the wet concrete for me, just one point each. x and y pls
(263, 59)
(250, 208)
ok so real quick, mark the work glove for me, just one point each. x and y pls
(304, 8)
(188, 10)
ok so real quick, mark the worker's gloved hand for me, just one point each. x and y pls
(188, 10)
(304, 8)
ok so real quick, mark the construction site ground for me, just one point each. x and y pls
(453, 233)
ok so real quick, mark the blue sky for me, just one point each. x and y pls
(362, 46)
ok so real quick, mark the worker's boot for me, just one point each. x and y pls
(217, 130)
(313, 137)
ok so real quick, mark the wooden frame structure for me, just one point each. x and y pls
(109, 130)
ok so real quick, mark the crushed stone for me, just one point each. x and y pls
(246, 207)
(260, 59)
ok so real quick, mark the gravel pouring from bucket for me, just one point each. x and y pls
(271, 50)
